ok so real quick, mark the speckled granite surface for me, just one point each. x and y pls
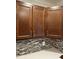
(32, 45)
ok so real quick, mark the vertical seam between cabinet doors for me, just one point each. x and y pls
(44, 22)
(32, 21)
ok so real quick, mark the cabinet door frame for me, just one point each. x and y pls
(46, 26)
(30, 24)
(43, 19)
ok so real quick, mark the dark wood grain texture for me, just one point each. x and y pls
(38, 21)
(23, 21)
(54, 23)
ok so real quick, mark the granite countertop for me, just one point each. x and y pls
(32, 45)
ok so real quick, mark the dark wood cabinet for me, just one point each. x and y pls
(38, 21)
(54, 23)
(23, 21)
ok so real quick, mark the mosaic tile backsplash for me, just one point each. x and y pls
(32, 45)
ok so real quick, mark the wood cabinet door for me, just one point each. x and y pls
(54, 23)
(38, 21)
(23, 21)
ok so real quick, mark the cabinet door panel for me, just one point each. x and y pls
(24, 22)
(54, 23)
(38, 21)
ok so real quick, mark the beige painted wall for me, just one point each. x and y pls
(45, 3)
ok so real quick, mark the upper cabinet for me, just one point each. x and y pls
(38, 21)
(23, 21)
(54, 23)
